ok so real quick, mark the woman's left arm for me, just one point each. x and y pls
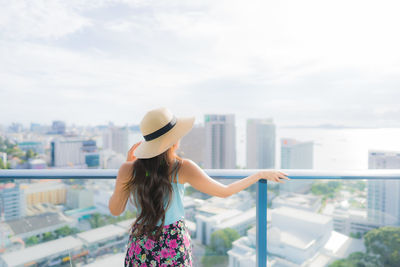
(117, 202)
(119, 198)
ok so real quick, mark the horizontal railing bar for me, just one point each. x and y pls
(301, 174)
(60, 174)
(370, 174)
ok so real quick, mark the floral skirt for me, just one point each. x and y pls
(174, 248)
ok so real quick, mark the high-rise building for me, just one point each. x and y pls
(260, 144)
(296, 155)
(192, 145)
(35, 127)
(16, 127)
(40, 129)
(58, 127)
(76, 153)
(12, 204)
(220, 152)
(384, 195)
(92, 156)
(116, 139)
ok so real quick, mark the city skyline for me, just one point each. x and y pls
(199, 122)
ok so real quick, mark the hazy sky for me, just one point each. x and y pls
(299, 62)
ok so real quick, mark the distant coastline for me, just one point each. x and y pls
(333, 126)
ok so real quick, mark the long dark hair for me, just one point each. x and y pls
(151, 185)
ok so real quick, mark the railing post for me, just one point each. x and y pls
(261, 233)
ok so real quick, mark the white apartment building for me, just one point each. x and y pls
(351, 221)
(228, 218)
(117, 139)
(296, 155)
(68, 153)
(237, 212)
(12, 202)
(384, 195)
(261, 140)
(295, 238)
(220, 147)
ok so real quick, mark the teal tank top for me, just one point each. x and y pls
(175, 210)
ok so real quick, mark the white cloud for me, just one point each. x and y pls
(315, 61)
(41, 19)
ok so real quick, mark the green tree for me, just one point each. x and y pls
(65, 231)
(360, 185)
(96, 220)
(127, 215)
(11, 148)
(212, 259)
(356, 235)
(383, 248)
(29, 154)
(221, 240)
(2, 165)
(232, 236)
(33, 240)
(47, 236)
(356, 259)
(17, 152)
(385, 243)
(327, 189)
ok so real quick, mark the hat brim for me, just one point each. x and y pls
(150, 149)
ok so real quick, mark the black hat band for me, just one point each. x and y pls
(161, 131)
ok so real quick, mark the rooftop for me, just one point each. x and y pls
(43, 250)
(303, 215)
(239, 219)
(290, 238)
(116, 260)
(36, 222)
(41, 185)
(101, 233)
(297, 200)
(126, 224)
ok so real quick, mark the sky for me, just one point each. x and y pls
(304, 62)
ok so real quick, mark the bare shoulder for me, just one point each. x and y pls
(126, 167)
(186, 169)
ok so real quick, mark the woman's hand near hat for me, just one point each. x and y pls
(130, 156)
(119, 198)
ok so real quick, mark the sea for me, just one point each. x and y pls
(334, 148)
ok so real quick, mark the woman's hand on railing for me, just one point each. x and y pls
(130, 156)
(273, 175)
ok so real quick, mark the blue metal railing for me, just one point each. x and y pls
(261, 199)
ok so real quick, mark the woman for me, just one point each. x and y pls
(155, 176)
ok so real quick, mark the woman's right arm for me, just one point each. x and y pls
(197, 178)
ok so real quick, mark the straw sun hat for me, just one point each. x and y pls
(161, 129)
